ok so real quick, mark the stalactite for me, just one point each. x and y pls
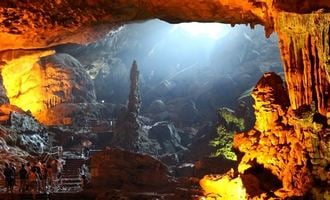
(304, 44)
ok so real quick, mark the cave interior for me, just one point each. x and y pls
(166, 99)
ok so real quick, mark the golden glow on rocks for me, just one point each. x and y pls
(23, 80)
(223, 188)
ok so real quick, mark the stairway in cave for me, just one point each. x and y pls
(71, 181)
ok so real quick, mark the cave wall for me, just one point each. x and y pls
(37, 81)
(305, 47)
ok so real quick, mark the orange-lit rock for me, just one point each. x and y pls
(293, 145)
(22, 79)
(304, 43)
(284, 141)
(38, 85)
(35, 24)
(6, 110)
(270, 101)
(223, 187)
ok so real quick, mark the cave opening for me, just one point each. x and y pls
(188, 71)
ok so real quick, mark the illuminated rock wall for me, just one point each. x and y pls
(22, 79)
(291, 144)
(305, 47)
(35, 24)
(38, 84)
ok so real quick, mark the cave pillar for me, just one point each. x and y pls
(304, 44)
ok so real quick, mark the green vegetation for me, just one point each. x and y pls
(228, 125)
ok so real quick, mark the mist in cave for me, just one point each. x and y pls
(193, 86)
(201, 67)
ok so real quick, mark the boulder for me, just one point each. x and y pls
(31, 135)
(122, 169)
(167, 136)
(156, 107)
(32, 143)
(23, 123)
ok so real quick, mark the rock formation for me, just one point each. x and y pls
(290, 144)
(305, 47)
(38, 84)
(133, 106)
(166, 135)
(126, 170)
(128, 128)
(34, 24)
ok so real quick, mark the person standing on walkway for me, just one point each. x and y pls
(23, 176)
(34, 181)
(9, 178)
(13, 168)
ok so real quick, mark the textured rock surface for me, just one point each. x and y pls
(33, 24)
(167, 137)
(292, 147)
(125, 170)
(10, 149)
(38, 85)
(286, 142)
(128, 129)
(296, 146)
(3, 93)
(305, 48)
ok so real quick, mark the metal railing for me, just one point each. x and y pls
(56, 151)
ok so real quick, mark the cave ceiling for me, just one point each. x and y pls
(31, 24)
(303, 27)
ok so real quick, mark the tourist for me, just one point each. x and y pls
(86, 152)
(50, 178)
(23, 176)
(83, 172)
(42, 175)
(9, 177)
(34, 181)
(13, 168)
(28, 169)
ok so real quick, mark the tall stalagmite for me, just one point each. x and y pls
(133, 106)
(127, 127)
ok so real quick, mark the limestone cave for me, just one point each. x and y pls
(165, 99)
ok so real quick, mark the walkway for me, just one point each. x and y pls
(68, 186)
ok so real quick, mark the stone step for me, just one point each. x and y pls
(70, 180)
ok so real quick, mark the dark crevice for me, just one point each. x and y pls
(264, 178)
(313, 62)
